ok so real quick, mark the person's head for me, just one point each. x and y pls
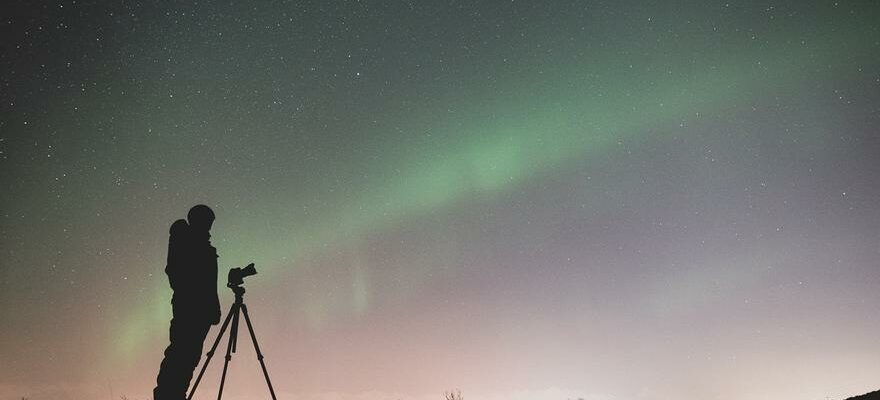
(200, 218)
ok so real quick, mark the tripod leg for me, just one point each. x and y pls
(232, 334)
(211, 352)
(235, 329)
(247, 319)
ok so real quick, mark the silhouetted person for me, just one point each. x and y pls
(192, 273)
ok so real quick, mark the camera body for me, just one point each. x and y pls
(236, 275)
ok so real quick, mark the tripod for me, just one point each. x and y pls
(238, 307)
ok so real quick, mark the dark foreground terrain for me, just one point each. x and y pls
(875, 395)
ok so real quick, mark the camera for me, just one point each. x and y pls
(237, 275)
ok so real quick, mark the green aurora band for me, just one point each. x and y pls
(579, 113)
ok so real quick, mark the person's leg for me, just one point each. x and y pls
(167, 379)
(192, 355)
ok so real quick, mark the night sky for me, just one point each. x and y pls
(607, 200)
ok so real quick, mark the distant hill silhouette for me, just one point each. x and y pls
(875, 395)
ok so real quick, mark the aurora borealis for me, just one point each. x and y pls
(521, 200)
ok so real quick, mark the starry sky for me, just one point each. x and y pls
(607, 200)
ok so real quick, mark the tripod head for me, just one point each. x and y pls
(239, 293)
